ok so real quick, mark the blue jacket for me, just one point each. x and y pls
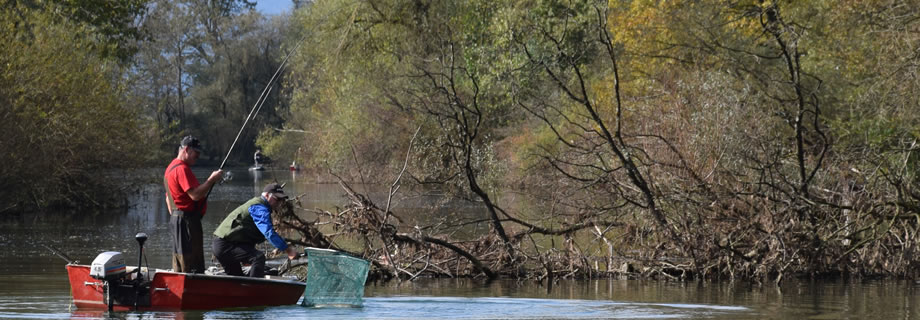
(250, 223)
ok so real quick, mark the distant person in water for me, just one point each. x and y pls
(247, 226)
(186, 200)
(260, 159)
(257, 157)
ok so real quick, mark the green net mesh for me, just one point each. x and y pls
(334, 278)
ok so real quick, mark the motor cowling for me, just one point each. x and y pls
(108, 266)
(119, 288)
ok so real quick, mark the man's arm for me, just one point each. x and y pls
(201, 191)
(263, 219)
(169, 206)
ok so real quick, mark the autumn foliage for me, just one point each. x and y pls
(696, 139)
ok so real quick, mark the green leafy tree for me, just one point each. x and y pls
(68, 128)
(113, 23)
(204, 67)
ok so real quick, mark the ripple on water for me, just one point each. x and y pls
(403, 307)
(521, 308)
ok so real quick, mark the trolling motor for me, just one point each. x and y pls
(119, 287)
(141, 238)
(139, 280)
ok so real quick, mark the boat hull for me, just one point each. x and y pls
(189, 291)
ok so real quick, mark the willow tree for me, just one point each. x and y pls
(378, 69)
(750, 139)
(201, 69)
(68, 127)
(382, 68)
(731, 110)
(793, 195)
(874, 121)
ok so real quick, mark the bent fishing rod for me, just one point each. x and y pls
(258, 105)
(262, 97)
(259, 102)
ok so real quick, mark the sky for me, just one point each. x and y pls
(274, 6)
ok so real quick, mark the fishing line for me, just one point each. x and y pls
(262, 97)
(258, 105)
(270, 163)
(268, 87)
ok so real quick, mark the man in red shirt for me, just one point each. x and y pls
(187, 203)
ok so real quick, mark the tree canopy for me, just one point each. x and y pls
(752, 138)
(66, 123)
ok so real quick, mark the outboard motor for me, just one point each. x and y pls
(119, 287)
(108, 266)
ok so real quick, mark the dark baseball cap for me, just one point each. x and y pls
(275, 189)
(190, 141)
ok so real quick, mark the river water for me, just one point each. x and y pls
(33, 281)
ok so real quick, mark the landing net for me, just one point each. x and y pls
(334, 278)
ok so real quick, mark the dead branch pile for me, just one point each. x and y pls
(411, 252)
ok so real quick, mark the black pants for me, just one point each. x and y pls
(188, 242)
(231, 255)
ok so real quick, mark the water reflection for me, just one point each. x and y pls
(256, 180)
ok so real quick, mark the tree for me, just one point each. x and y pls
(67, 126)
(752, 139)
(204, 67)
(112, 22)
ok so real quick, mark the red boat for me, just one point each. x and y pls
(181, 291)
(108, 284)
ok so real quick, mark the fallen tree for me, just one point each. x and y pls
(413, 253)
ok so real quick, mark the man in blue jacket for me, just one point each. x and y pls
(247, 226)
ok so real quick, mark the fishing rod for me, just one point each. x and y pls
(258, 105)
(254, 110)
(60, 254)
(262, 97)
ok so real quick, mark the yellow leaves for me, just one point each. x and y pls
(634, 22)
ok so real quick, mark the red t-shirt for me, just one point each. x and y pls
(180, 179)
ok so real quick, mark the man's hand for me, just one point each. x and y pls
(216, 175)
(290, 251)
